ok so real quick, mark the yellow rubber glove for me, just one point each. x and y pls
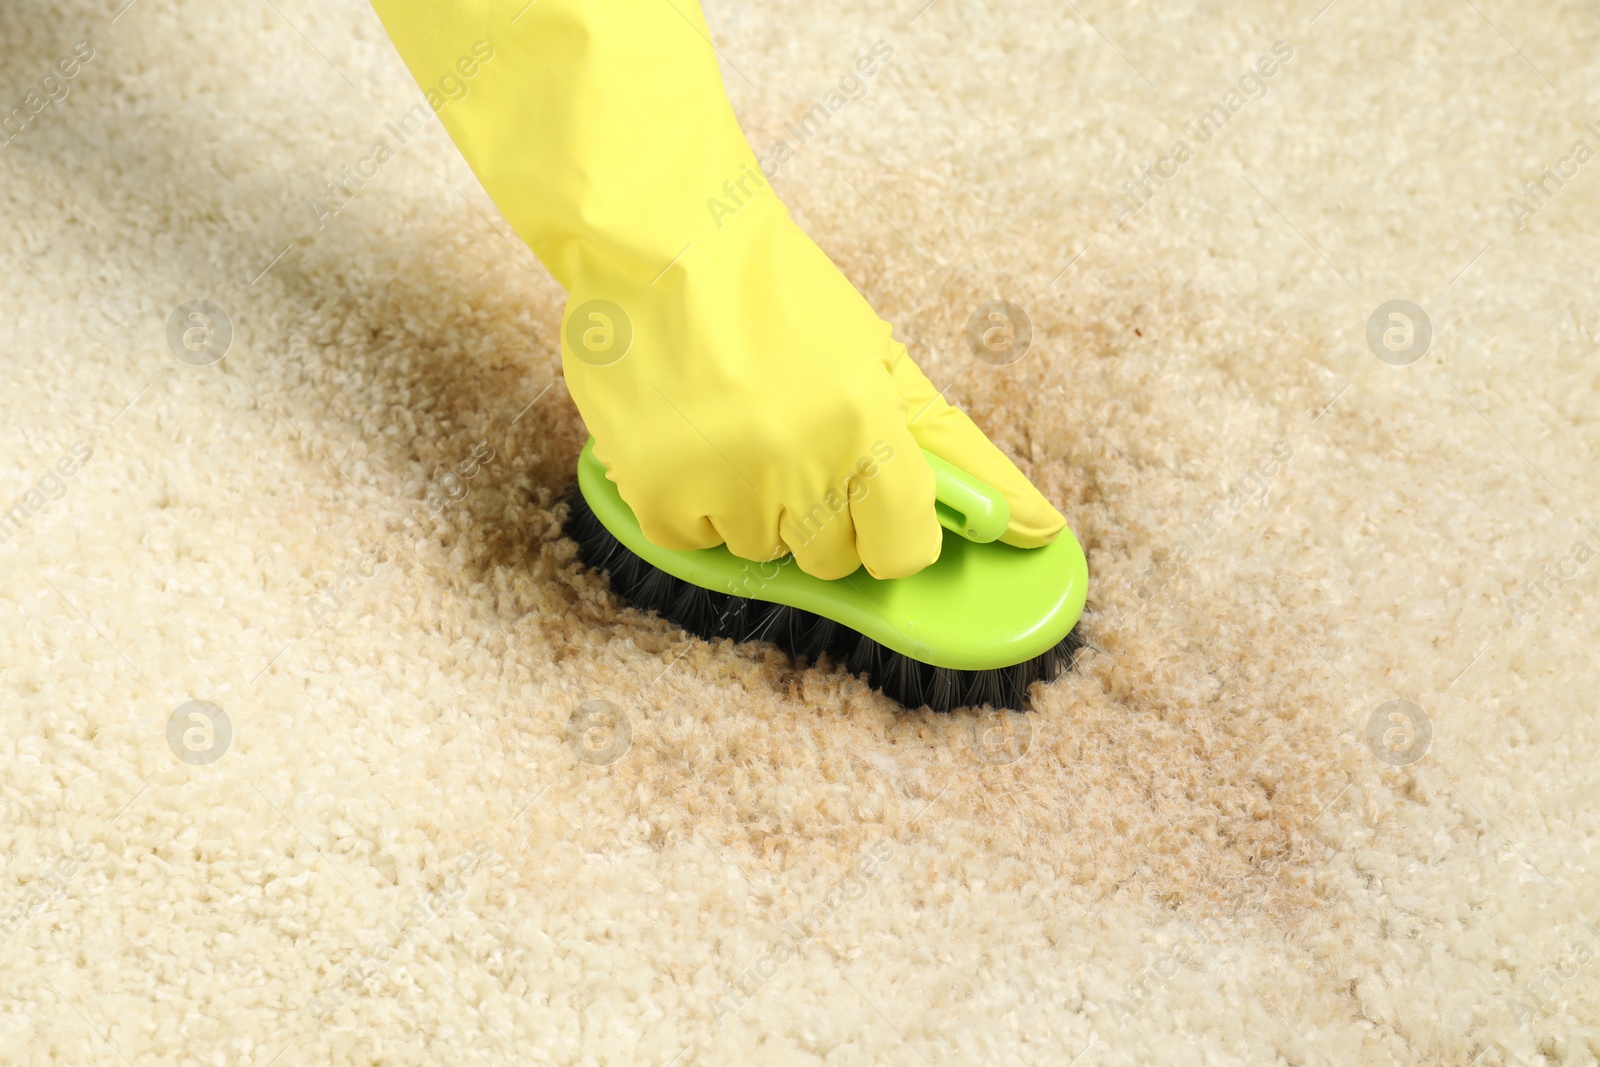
(738, 388)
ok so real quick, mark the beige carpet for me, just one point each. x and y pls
(414, 841)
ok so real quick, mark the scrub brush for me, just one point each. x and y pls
(976, 628)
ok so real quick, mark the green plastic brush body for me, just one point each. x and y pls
(982, 605)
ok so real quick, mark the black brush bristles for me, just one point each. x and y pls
(803, 635)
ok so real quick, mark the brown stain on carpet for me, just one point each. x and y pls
(1182, 762)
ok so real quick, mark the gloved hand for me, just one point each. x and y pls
(738, 388)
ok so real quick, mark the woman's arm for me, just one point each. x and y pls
(732, 377)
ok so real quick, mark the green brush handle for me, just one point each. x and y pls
(966, 506)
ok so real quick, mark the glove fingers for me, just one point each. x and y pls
(948, 433)
(823, 536)
(744, 538)
(679, 532)
(896, 531)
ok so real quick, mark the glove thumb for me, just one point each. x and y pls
(948, 433)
